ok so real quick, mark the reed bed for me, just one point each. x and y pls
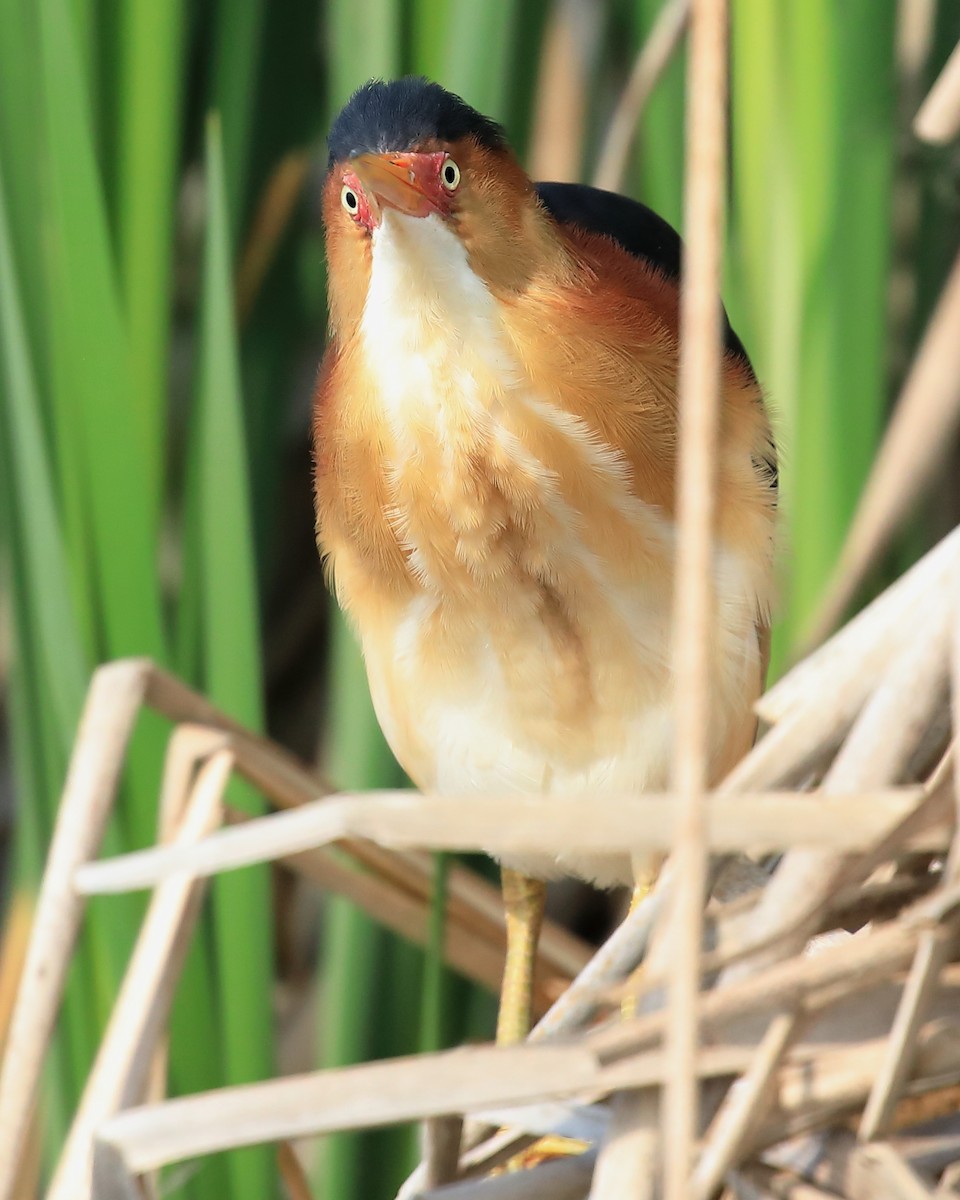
(827, 1043)
(794, 1034)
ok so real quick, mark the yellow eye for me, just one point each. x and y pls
(450, 175)
(349, 200)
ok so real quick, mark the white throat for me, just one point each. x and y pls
(430, 321)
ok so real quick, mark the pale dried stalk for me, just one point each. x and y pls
(741, 1105)
(889, 621)
(563, 86)
(879, 744)
(916, 442)
(655, 56)
(764, 1183)
(615, 959)
(849, 899)
(469, 1079)
(112, 1179)
(930, 957)
(623, 1165)
(123, 1061)
(762, 821)
(814, 1092)
(859, 963)
(932, 952)
(698, 388)
(187, 748)
(823, 1074)
(441, 1138)
(878, 1170)
(471, 901)
(939, 117)
(105, 727)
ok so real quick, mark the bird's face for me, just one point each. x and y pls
(417, 184)
(410, 173)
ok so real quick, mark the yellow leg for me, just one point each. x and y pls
(646, 877)
(523, 900)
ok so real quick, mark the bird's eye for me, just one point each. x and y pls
(450, 175)
(349, 200)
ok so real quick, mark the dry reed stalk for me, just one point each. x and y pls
(560, 114)
(939, 117)
(471, 1079)
(440, 1148)
(879, 1170)
(472, 903)
(630, 1149)
(731, 1126)
(857, 964)
(888, 623)
(112, 1179)
(615, 959)
(867, 1043)
(121, 1070)
(292, 1173)
(275, 208)
(656, 54)
(875, 752)
(105, 727)
(828, 1071)
(762, 821)
(931, 955)
(698, 388)
(757, 1181)
(116, 694)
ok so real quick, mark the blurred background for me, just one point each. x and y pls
(162, 315)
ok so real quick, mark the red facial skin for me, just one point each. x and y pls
(410, 183)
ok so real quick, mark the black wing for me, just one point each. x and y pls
(633, 226)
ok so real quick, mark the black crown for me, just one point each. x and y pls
(402, 114)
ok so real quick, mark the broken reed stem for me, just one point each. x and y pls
(654, 57)
(699, 397)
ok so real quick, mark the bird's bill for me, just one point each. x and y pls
(406, 182)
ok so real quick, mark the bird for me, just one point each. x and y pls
(495, 445)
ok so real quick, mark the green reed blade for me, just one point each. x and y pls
(230, 650)
(152, 67)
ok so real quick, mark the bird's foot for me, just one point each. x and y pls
(544, 1149)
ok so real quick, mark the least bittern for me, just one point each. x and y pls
(496, 448)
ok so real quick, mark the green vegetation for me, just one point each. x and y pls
(145, 438)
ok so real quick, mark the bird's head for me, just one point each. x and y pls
(412, 160)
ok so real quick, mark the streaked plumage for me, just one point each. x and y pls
(496, 437)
